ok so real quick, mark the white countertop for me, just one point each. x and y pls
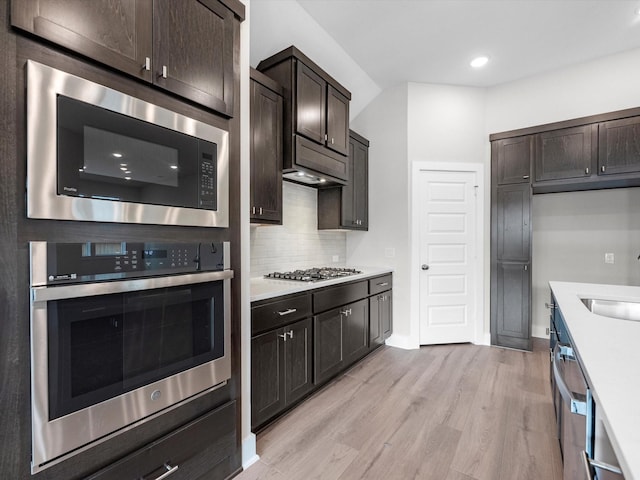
(609, 352)
(262, 288)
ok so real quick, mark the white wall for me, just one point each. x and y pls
(571, 232)
(279, 24)
(384, 123)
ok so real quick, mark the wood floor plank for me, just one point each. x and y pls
(447, 412)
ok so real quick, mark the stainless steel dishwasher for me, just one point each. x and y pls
(580, 432)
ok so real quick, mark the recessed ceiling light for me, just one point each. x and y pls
(175, 167)
(479, 62)
(123, 168)
(127, 178)
(117, 155)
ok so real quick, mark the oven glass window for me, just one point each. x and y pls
(101, 347)
(110, 156)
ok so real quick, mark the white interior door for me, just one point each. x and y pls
(448, 252)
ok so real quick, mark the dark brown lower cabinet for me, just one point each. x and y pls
(341, 337)
(513, 305)
(380, 315)
(280, 370)
(196, 450)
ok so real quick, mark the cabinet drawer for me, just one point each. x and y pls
(332, 297)
(380, 284)
(192, 450)
(280, 312)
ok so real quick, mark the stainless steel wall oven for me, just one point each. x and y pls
(119, 332)
(97, 154)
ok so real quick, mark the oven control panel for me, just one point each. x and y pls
(97, 261)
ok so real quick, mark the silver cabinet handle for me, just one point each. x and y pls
(290, 332)
(287, 312)
(383, 284)
(590, 465)
(253, 210)
(147, 64)
(260, 210)
(283, 336)
(603, 168)
(525, 177)
(331, 140)
(550, 306)
(586, 171)
(346, 312)
(163, 73)
(577, 402)
(170, 471)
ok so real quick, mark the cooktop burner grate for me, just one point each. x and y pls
(314, 274)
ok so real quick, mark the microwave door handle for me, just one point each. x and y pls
(577, 402)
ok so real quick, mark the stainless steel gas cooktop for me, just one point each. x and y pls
(314, 274)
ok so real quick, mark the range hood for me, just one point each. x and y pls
(300, 176)
(314, 165)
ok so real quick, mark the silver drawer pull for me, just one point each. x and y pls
(550, 306)
(383, 284)
(346, 312)
(283, 336)
(170, 471)
(577, 402)
(287, 312)
(525, 177)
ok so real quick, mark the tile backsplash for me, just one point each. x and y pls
(297, 243)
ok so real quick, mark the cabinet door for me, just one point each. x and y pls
(513, 222)
(327, 343)
(619, 146)
(311, 100)
(513, 307)
(193, 51)
(356, 193)
(513, 160)
(267, 382)
(380, 319)
(298, 360)
(115, 33)
(375, 321)
(355, 325)
(266, 154)
(337, 121)
(386, 314)
(565, 153)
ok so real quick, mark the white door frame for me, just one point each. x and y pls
(422, 166)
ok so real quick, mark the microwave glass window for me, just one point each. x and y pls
(106, 155)
(101, 347)
(127, 159)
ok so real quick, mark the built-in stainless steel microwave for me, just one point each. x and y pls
(97, 154)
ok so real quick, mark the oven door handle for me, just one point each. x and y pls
(576, 401)
(62, 292)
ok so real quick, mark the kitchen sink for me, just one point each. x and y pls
(613, 308)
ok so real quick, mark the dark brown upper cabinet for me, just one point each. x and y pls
(183, 47)
(316, 118)
(266, 149)
(347, 207)
(619, 146)
(513, 160)
(566, 153)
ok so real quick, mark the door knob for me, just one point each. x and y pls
(425, 266)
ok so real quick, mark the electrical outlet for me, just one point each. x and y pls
(547, 330)
(609, 258)
(335, 258)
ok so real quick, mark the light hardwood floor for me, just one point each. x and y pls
(449, 412)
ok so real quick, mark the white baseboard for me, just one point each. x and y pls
(249, 453)
(485, 339)
(402, 341)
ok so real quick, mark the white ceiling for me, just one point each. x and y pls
(433, 41)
